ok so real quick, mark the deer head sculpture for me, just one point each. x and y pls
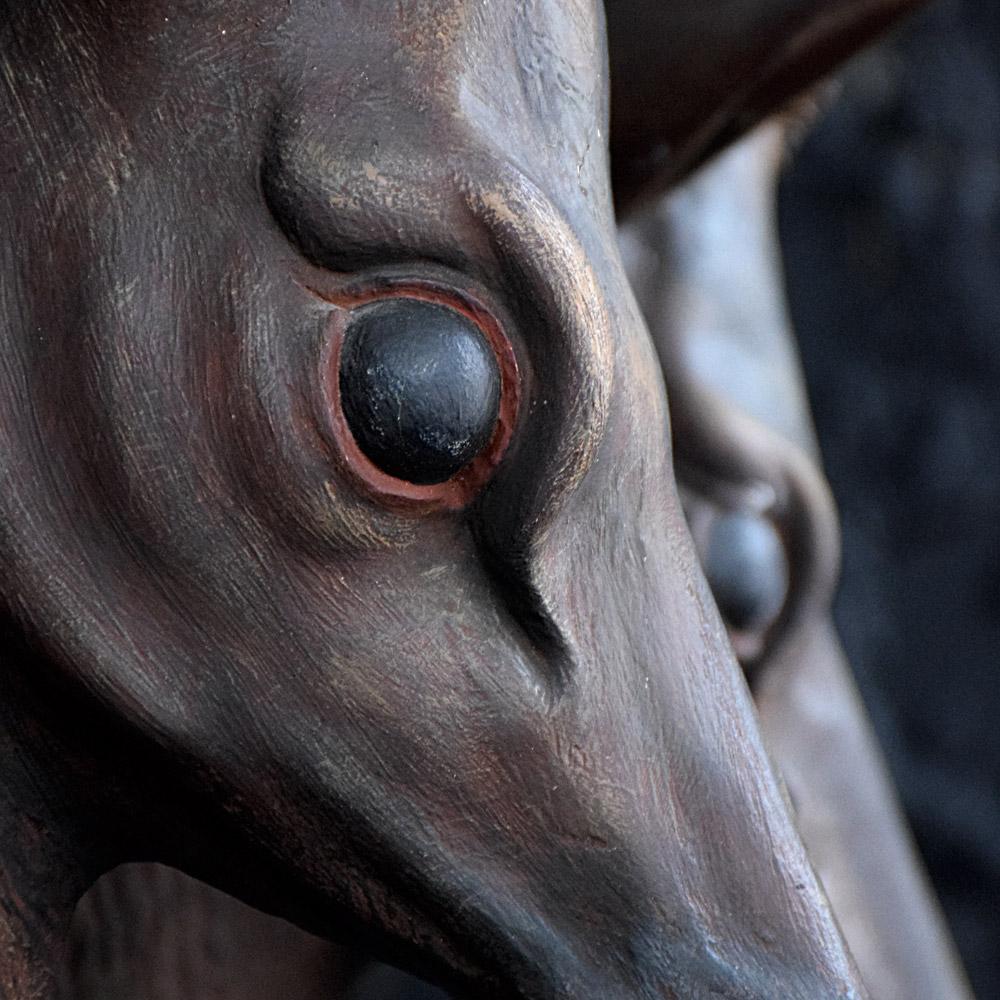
(706, 266)
(341, 559)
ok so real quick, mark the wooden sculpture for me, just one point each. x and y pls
(705, 263)
(341, 561)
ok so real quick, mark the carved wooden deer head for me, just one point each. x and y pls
(341, 559)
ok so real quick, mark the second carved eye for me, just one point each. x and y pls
(747, 569)
(420, 388)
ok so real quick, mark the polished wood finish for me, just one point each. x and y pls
(502, 742)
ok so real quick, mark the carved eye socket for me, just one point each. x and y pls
(420, 388)
(747, 569)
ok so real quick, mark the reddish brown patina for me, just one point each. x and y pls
(502, 744)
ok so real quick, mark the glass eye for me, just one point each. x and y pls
(420, 388)
(747, 569)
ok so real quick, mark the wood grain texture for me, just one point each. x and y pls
(505, 746)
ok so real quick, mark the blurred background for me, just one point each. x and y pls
(890, 218)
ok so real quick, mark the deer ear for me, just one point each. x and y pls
(689, 77)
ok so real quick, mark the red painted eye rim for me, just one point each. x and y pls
(458, 491)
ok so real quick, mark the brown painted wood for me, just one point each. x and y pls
(691, 77)
(707, 266)
(506, 746)
(145, 932)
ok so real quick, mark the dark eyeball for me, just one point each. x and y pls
(420, 388)
(747, 569)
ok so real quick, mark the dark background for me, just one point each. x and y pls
(890, 217)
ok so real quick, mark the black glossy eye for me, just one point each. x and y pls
(419, 387)
(747, 569)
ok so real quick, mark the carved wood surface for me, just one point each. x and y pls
(491, 729)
